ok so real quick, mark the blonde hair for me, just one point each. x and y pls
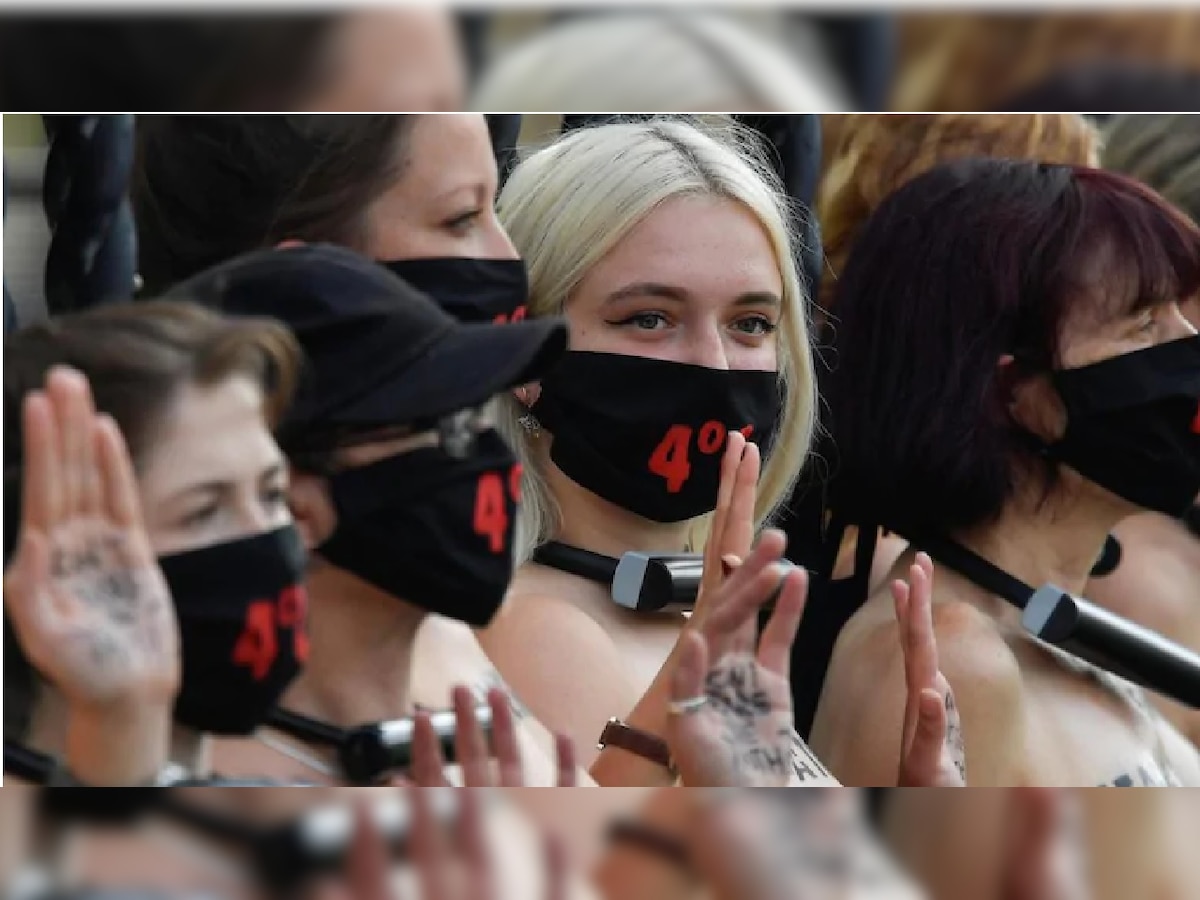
(876, 155)
(658, 62)
(568, 205)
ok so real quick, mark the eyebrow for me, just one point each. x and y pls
(270, 472)
(679, 295)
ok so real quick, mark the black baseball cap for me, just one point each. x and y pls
(378, 352)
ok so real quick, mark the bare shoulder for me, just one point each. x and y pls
(860, 719)
(563, 665)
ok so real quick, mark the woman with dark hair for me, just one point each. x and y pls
(415, 192)
(1014, 376)
(1154, 560)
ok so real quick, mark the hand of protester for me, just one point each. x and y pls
(732, 535)
(447, 864)
(731, 721)
(473, 754)
(1046, 858)
(87, 600)
(765, 845)
(932, 753)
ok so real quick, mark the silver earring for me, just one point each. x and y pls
(531, 425)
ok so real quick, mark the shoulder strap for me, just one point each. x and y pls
(972, 566)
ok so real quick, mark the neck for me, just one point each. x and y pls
(590, 522)
(1050, 541)
(360, 663)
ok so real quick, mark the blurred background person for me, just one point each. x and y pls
(662, 61)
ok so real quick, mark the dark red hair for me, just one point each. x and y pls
(966, 263)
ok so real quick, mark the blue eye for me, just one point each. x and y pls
(646, 321)
(756, 325)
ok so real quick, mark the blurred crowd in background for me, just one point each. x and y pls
(206, 192)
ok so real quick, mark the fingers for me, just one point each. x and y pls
(473, 841)
(469, 743)
(687, 681)
(429, 847)
(72, 400)
(504, 741)
(568, 767)
(775, 647)
(922, 645)
(716, 537)
(750, 586)
(118, 483)
(367, 865)
(42, 500)
(739, 528)
(428, 764)
(919, 766)
(555, 855)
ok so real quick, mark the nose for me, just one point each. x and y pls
(497, 243)
(706, 345)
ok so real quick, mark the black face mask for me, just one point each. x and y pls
(243, 624)
(471, 290)
(647, 434)
(431, 529)
(1133, 425)
(1191, 519)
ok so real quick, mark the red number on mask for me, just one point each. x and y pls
(670, 458)
(514, 482)
(293, 614)
(711, 438)
(518, 315)
(1196, 424)
(257, 647)
(491, 516)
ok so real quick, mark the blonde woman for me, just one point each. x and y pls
(666, 247)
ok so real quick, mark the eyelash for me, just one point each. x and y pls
(273, 497)
(458, 223)
(767, 326)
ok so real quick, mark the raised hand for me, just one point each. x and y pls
(932, 753)
(474, 756)
(731, 721)
(732, 534)
(84, 592)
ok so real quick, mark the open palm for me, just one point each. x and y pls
(85, 595)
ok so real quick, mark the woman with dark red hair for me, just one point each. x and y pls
(1013, 376)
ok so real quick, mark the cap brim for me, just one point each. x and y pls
(467, 368)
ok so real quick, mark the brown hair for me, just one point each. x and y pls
(877, 154)
(959, 62)
(208, 188)
(136, 357)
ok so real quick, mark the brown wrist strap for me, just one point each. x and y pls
(640, 743)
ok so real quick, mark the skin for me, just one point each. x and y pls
(1154, 584)
(1026, 719)
(194, 490)
(380, 60)
(441, 206)
(575, 663)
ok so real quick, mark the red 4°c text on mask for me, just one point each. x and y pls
(258, 645)
(671, 459)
